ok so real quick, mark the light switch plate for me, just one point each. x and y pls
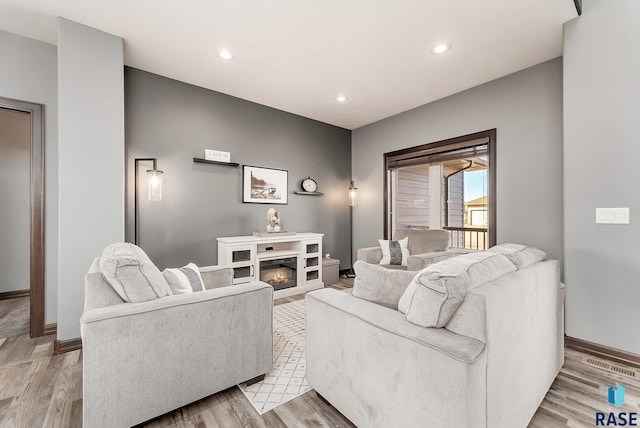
(612, 215)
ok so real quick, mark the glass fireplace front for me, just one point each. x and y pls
(279, 273)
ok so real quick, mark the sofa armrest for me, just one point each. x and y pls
(216, 276)
(141, 360)
(371, 255)
(379, 370)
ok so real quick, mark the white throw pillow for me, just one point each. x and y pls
(184, 280)
(394, 252)
(437, 291)
(520, 255)
(131, 273)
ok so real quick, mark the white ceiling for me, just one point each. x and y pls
(297, 56)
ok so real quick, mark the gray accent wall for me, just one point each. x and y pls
(526, 109)
(91, 159)
(174, 122)
(601, 152)
(15, 165)
(29, 73)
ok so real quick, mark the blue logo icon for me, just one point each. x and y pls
(616, 395)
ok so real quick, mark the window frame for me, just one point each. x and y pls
(487, 137)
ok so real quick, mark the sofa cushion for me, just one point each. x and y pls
(131, 273)
(520, 255)
(436, 292)
(423, 240)
(380, 285)
(394, 252)
(184, 280)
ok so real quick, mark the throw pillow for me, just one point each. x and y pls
(131, 273)
(380, 285)
(520, 255)
(394, 252)
(437, 291)
(184, 280)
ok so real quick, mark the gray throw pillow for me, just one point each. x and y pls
(520, 255)
(184, 280)
(131, 273)
(380, 285)
(437, 291)
(394, 252)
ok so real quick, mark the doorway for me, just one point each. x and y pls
(22, 212)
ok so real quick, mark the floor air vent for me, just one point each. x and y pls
(605, 365)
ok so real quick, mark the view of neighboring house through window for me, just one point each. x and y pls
(442, 186)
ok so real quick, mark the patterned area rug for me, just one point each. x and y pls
(288, 378)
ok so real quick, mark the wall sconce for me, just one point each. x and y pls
(353, 194)
(154, 190)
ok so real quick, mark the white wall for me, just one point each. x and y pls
(91, 159)
(526, 109)
(15, 166)
(601, 153)
(29, 73)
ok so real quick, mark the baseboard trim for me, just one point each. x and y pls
(62, 346)
(50, 329)
(613, 354)
(14, 294)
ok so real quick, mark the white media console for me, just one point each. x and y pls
(292, 264)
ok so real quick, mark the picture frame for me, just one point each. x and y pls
(264, 185)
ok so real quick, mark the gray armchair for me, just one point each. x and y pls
(426, 246)
(141, 360)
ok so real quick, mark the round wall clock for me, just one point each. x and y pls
(309, 185)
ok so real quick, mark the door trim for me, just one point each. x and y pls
(36, 111)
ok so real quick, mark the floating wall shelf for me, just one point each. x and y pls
(201, 160)
(300, 192)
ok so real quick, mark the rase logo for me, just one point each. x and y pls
(620, 419)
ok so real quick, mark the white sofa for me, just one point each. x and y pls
(490, 366)
(141, 360)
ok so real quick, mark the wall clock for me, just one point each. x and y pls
(309, 185)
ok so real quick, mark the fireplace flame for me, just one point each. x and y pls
(279, 277)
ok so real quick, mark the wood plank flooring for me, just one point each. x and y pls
(14, 316)
(40, 389)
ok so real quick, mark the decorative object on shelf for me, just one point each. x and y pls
(154, 189)
(273, 220)
(353, 195)
(201, 160)
(309, 187)
(217, 155)
(264, 185)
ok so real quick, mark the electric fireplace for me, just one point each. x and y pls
(279, 273)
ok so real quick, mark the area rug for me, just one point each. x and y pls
(288, 378)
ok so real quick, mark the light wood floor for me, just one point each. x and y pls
(40, 389)
(14, 316)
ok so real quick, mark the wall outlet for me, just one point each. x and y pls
(327, 255)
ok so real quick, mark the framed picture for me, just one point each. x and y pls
(264, 185)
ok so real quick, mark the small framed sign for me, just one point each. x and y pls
(217, 155)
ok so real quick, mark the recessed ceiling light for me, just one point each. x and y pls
(441, 48)
(341, 98)
(225, 54)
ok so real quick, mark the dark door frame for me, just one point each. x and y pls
(36, 112)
